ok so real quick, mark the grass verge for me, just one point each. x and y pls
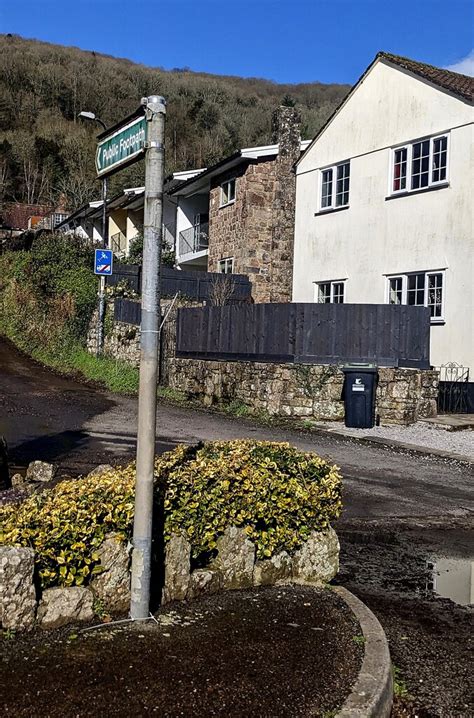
(71, 359)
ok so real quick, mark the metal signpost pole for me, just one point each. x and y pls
(105, 244)
(152, 231)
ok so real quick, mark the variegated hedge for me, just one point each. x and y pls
(275, 492)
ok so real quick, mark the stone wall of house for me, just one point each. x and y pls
(243, 229)
(257, 229)
(303, 390)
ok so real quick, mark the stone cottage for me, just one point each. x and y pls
(238, 215)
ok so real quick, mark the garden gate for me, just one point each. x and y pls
(453, 396)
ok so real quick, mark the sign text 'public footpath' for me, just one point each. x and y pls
(121, 147)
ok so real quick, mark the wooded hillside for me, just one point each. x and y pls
(47, 152)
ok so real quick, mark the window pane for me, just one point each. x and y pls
(226, 266)
(420, 164)
(395, 290)
(400, 169)
(338, 292)
(440, 157)
(435, 294)
(416, 289)
(326, 194)
(342, 185)
(324, 293)
(231, 190)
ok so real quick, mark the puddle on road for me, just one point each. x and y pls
(452, 578)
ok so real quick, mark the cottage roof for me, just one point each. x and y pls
(462, 86)
(455, 82)
(202, 181)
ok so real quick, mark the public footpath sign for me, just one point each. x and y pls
(103, 262)
(121, 147)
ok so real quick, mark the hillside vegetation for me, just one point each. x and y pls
(46, 151)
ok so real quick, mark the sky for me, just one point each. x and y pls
(281, 40)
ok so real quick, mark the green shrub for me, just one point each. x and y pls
(276, 493)
(65, 525)
(47, 297)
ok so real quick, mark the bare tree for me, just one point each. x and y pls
(221, 289)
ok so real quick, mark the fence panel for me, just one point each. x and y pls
(195, 285)
(311, 333)
(128, 312)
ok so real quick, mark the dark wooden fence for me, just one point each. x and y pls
(387, 334)
(195, 285)
(125, 310)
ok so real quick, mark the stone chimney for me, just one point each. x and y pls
(286, 128)
(286, 131)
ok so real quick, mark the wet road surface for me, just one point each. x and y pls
(48, 417)
(404, 513)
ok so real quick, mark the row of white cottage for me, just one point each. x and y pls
(383, 205)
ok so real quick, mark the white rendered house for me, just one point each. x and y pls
(384, 201)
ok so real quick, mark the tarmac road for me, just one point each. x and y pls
(49, 417)
(401, 509)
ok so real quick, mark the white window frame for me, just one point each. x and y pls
(224, 201)
(224, 264)
(333, 168)
(408, 146)
(332, 283)
(404, 277)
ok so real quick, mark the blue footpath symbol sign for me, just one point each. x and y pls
(103, 262)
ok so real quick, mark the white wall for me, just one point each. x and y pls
(376, 236)
(169, 221)
(187, 208)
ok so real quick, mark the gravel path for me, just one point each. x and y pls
(419, 434)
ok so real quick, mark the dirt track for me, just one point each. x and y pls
(400, 509)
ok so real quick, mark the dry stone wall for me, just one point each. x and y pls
(295, 390)
(121, 341)
(234, 567)
(303, 390)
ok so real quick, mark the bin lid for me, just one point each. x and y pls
(360, 366)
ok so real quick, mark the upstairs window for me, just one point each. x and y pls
(420, 165)
(226, 266)
(227, 192)
(419, 289)
(335, 186)
(330, 292)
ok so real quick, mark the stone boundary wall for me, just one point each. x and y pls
(303, 390)
(122, 341)
(310, 391)
(23, 606)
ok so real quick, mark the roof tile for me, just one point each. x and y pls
(461, 85)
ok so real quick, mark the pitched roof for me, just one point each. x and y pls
(461, 85)
(455, 82)
(246, 154)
